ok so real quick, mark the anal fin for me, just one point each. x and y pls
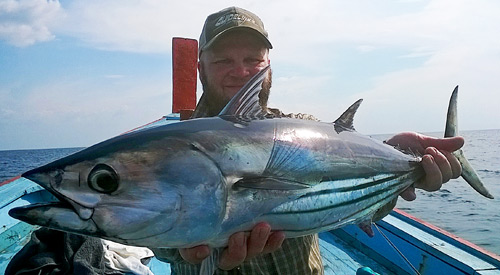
(366, 226)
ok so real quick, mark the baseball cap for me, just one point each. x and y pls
(230, 19)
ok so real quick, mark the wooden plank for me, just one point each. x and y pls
(341, 258)
(376, 248)
(15, 189)
(184, 73)
(453, 239)
(9, 181)
(426, 249)
(441, 248)
(12, 241)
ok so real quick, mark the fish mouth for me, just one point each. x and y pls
(55, 215)
(49, 179)
(60, 213)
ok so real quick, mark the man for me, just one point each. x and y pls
(234, 46)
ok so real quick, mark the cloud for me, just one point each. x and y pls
(72, 112)
(133, 26)
(436, 51)
(403, 57)
(26, 22)
(148, 26)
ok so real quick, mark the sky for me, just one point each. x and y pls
(74, 73)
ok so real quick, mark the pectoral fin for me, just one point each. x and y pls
(270, 183)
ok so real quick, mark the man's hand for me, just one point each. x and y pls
(240, 247)
(439, 164)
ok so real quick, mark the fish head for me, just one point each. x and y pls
(130, 193)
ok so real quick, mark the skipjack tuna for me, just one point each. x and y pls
(201, 180)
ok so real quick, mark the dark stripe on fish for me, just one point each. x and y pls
(396, 180)
(345, 220)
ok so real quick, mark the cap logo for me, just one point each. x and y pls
(233, 17)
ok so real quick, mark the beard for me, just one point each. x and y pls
(216, 100)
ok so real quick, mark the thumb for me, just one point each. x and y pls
(449, 144)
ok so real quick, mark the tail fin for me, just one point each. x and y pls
(468, 173)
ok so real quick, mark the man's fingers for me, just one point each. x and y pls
(409, 194)
(235, 253)
(274, 242)
(456, 167)
(240, 247)
(433, 179)
(258, 239)
(442, 162)
(195, 255)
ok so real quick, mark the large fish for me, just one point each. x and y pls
(199, 181)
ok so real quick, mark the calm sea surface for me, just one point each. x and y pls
(456, 208)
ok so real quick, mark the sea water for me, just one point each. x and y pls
(457, 208)
(14, 162)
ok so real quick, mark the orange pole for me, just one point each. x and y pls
(184, 73)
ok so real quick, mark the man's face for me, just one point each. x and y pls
(229, 63)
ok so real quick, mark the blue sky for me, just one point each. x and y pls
(74, 73)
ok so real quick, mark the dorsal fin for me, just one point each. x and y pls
(345, 121)
(246, 102)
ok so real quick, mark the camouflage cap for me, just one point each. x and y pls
(230, 19)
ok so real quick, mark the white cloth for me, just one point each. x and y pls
(126, 258)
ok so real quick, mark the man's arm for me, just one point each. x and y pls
(439, 164)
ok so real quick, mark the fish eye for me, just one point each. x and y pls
(103, 179)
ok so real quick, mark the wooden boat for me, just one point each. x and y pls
(402, 243)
